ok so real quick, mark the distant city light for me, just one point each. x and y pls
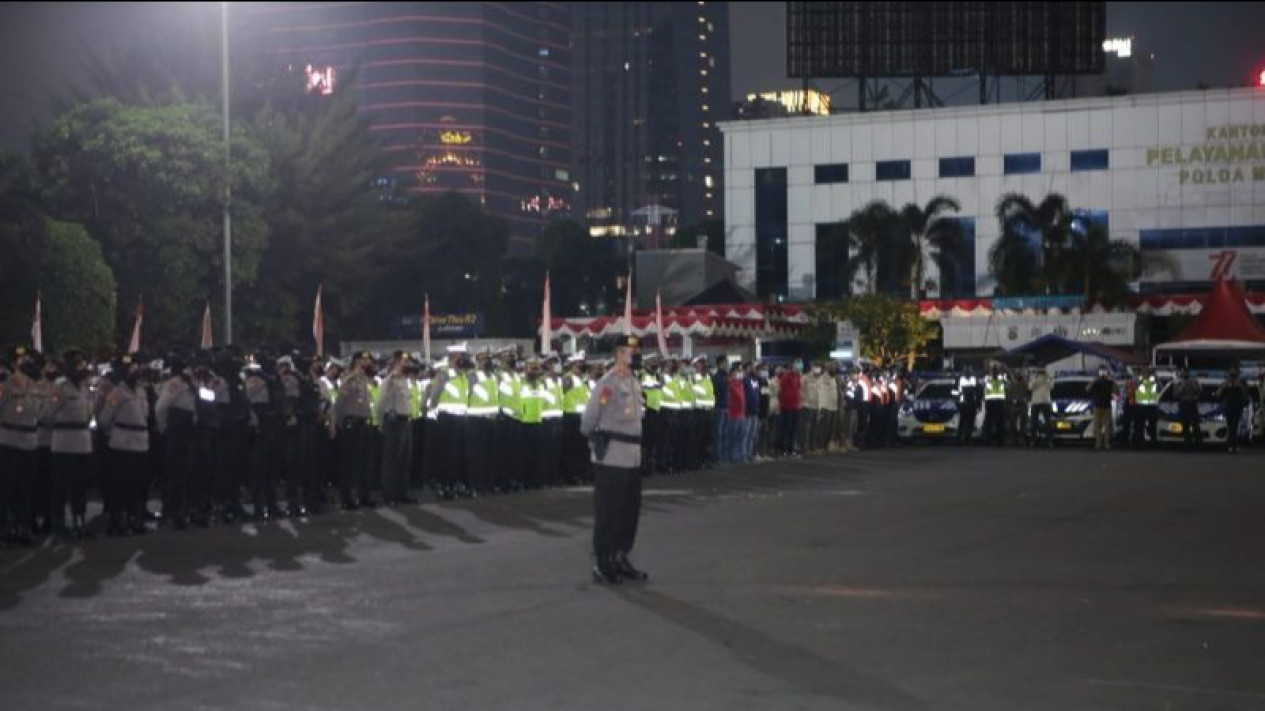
(319, 81)
(1120, 46)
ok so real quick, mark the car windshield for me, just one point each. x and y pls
(1207, 393)
(937, 391)
(1070, 390)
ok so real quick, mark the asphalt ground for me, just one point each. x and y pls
(918, 578)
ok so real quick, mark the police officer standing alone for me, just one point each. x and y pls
(612, 422)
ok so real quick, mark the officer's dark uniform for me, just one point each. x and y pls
(351, 412)
(265, 395)
(175, 414)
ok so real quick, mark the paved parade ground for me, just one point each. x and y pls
(924, 578)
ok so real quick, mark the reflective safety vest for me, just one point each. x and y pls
(532, 402)
(685, 391)
(417, 398)
(704, 392)
(671, 394)
(375, 417)
(1147, 392)
(455, 398)
(994, 388)
(331, 389)
(965, 385)
(574, 400)
(553, 398)
(653, 389)
(511, 395)
(484, 400)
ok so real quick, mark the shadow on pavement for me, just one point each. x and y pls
(767, 655)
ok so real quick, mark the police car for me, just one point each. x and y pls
(1212, 421)
(933, 412)
(1073, 409)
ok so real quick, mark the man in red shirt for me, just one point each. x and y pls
(790, 401)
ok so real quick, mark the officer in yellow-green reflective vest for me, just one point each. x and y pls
(575, 394)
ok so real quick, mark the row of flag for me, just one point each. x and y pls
(318, 323)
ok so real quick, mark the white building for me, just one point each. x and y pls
(1178, 172)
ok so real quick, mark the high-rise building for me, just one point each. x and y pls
(650, 80)
(472, 97)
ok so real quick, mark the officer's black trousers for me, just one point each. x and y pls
(42, 490)
(1145, 419)
(966, 422)
(265, 466)
(207, 470)
(417, 471)
(126, 482)
(178, 462)
(232, 463)
(302, 481)
(354, 448)
(549, 463)
(70, 484)
(507, 462)
(995, 422)
(397, 457)
(616, 507)
(17, 479)
(479, 442)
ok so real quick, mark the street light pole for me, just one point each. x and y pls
(228, 189)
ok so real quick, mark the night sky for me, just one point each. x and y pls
(42, 44)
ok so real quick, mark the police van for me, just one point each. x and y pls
(932, 413)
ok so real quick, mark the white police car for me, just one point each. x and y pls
(1212, 422)
(933, 412)
(1073, 410)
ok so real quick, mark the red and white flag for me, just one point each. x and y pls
(658, 324)
(207, 341)
(134, 346)
(546, 334)
(628, 325)
(426, 329)
(37, 327)
(318, 323)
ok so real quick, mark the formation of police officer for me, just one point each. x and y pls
(209, 431)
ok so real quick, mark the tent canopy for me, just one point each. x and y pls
(1223, 326)
(1052, 348)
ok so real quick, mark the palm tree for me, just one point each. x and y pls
(873, 242)
(1100, 268)
(1019, 266)
(933, 237)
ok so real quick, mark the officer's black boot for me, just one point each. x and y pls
(626, 569)
(605, 571)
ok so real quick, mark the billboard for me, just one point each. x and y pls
(893, 39)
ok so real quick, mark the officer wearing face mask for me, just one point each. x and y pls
(19, 417)
(69, 410)
(124, 418)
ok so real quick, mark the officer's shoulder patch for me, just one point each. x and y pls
(115, 398)
(607, 394)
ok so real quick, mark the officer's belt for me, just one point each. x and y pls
(70, 425)
(620, 437)
(19, 428)
(131, 428)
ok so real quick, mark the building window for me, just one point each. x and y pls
(830, 173)
(832, 261)
(957, 270)
(1090, 160)
(961, 167)
(771, 232)
(1020, 163)
(891, 170)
